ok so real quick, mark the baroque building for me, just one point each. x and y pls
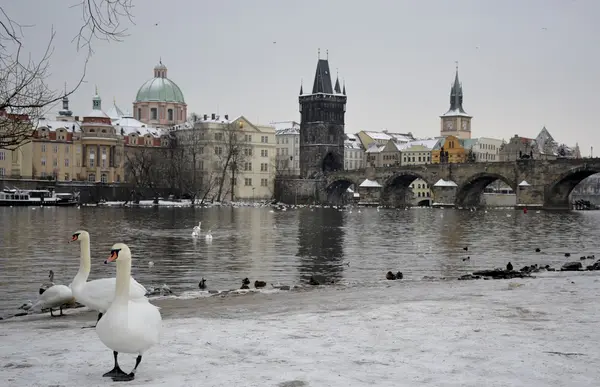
(322, 124)
(159, 101)
(287, 137)
(456, 122)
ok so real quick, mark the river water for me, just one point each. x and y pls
(287, 247)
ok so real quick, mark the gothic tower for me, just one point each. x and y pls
(456, 122)
(322, 125)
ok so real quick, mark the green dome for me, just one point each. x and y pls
(159, 90)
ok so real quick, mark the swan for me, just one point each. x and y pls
(49, 284)
(54, 297)
(129, 326)
(196, 230)
(96, 294)
(209, 236)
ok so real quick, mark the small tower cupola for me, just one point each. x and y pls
(160, 70)
(65, 105)
(97, 101)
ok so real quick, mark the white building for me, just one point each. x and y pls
(418, 152)
(287, 137)
(354, 154)
(487, 149)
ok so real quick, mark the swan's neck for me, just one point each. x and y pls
(84, 263)
(123, 278)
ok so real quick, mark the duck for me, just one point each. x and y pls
(260, 284)
(56, 296)
(399, 275)
(48, 284)
(313, 281)
(129, 325)
(202, 284)
(245, 283)
(509, 266)
(97, 294)
(390, 276)
(209, 236)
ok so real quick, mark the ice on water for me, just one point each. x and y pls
(456, 333)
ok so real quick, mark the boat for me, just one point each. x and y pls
(36, 197)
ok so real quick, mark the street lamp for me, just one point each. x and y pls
(253, 188)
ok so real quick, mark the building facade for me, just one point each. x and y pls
(159, 101)
(287, 158)
(456, 122)
(232, 147)
(487, 149)
(452, 149)
(354, 154)
(322, 125)
(418, 152)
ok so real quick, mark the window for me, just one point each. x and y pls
(247, 182)
(2, 172)
(247, 151)
(66, 177)
(170, 114)
(264, 182)
(104, 178)
(2, 156)
(201, 150)
(55, 148)
(264, 167)
(247, 167)
(43, 161)
(264, 153)
(78, 150)
(139, 111)
(219, 136)
(92, 177)
(264, 139)
(248, 138)
(54, 162)
(218, 150)
(154, 114)
(44, 148)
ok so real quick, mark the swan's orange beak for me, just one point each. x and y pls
(113, 256)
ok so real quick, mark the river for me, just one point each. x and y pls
(353, 248)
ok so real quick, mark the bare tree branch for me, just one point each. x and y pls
(25, 94)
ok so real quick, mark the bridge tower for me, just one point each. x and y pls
(456, 122)
(322, 124)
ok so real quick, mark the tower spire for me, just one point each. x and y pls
(301, 82)
(318, 53)
(344, 89)
(337, 88)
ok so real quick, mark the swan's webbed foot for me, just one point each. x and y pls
(124, 378)
(116, 371)
(94, 326)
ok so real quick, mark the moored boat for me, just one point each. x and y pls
(36, 197)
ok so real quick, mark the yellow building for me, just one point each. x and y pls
(221, 141)
(16, 163)
(451, 149)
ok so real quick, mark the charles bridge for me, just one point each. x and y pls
(536, 183)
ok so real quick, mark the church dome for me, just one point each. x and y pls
(160, 88)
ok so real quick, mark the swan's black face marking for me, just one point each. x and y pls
(75, 237)
(114, 254)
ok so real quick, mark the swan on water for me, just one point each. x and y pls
(128, 326)
(48, 284)
(209, 235)
(55, 296)
(196, 230)
(97, 294)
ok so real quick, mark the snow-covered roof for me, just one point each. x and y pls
(429, 144)
(114, 112)
(352, 145)
(445, 183)
(97, 113)
(286, 127)
(55, 124)
(524, 184)
(349, 190)
(130, 126)
(454, 113)
(370, 184)
(378, 135)
(375, 148)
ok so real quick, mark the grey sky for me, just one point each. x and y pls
(523, 63)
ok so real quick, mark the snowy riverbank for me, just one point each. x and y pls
(532, 332)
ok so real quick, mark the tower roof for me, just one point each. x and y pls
(322, 82)
(456, 98)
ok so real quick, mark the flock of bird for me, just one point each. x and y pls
(127, 322)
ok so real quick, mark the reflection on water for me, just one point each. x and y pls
(284, 247)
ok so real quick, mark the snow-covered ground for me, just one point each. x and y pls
(533, 332)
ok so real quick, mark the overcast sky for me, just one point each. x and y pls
(523, 63)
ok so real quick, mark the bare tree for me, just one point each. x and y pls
(187, 161)
(232, 151)
(25, 94)
(144, 168)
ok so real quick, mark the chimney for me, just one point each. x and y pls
(226, 116)
(76, 118)
(205, 117)
(212, 116)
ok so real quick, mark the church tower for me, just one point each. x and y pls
(322, 124)
(456, 122)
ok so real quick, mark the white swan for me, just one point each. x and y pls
(129, 326)
(54, 297)
(97, 294)
(209, 236)
(196, 230)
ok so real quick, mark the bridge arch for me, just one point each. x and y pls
(557, 193)
(337, 188)
(468, 195)
(396, 188)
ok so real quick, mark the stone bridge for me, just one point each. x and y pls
(549, 182)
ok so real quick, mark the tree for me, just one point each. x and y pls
(471, 156)
(232, 151)
(144, 168)
(25, 94)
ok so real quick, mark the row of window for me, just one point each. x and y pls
(154, 114)
(286, 139)
(263, 182)
(353, 164)
(286, 151)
